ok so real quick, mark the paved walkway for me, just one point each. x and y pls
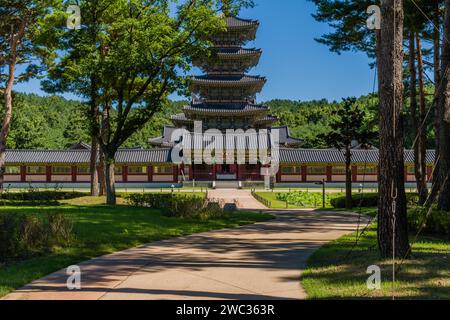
(242, 198)
(260, 261)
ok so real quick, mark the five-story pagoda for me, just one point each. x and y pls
(225, 98)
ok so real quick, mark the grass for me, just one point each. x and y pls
(331, 274)
(279, 204)
(102, 229)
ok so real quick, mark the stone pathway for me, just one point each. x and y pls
(260, 261)
(243, 198)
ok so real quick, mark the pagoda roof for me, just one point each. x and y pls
(225, 109)
(237, 52)
(228, 80)
(285, 137)
(238, 23)
(267, 119)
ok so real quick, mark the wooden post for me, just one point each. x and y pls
(304, 173)
(175, 173)
(125, 173)
(74, 173)
(48, 173)
(430, 173)
(329, 173)
(23, 173)
(354, 173)
(150, 173)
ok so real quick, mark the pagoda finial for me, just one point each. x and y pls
(226, 8)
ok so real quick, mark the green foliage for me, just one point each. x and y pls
(437, 222)
(349, 122)
(23, 235)
(305, 199)
(370, 200)
(34, 197)
(177, 206)
(360, 200)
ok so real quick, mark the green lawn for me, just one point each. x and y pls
(332, 275)
(279, 204)
(102, 229)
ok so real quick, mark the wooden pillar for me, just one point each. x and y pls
(214, 172)
(48, 173)
(329, 173)
(125, 173)
(238, 172)
(304, 173)
(430, 173)
(279, 175)
(354, 173)
(191, 172)
(23, 173)
(405, 170)
(150, 173)
(175, 173)
(74, 173)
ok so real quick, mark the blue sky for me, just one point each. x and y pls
(296, 66)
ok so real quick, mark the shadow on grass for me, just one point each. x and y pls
(335, 273)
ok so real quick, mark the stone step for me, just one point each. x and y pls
(227, 184)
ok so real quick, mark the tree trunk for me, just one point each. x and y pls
(392, 223)
(93, 167)
(444, 106)
(101, 173)
(6, 118)
(348, 179)
(7, 94)
(109, 178)
(420, 148)
(437, 81)
(413, 103)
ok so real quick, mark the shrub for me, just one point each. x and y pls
(9, 235)
(305, 199)
(34, 197)
(176, 205)
(24, 235)
(359, 200)
(437, 222)
(370, 200)
(60, 228)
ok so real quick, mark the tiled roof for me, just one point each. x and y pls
(137, 156)
(237, 52)
(83, 156)
(235, 22)
(267, 119)
(321, 156)
(229, 109)
(229, 80)
(48, 156)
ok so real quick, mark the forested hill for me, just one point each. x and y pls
(55, 123)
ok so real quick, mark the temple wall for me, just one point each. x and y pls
(12, 178)
(62, 178)
(338, 178)
(83, 178)
(291, 178)
(138, 178)
(36, 178)
(163, 178)
(367, 178)
(316, 178)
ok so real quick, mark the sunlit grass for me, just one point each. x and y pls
(335, 273)
(102, 229)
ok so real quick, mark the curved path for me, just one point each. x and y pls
(260, 261)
